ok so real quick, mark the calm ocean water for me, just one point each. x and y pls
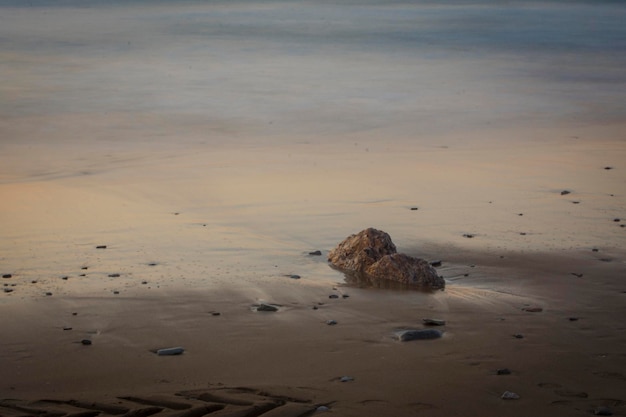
(317, 67)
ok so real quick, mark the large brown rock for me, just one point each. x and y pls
(372, 253)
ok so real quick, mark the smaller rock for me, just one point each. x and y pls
(503, 371)
(413, 208)
(67, 328)
(316, 253)
(331, 322)
(294, 276)
(322, 409)
(595, 250)
(573, 319)
(602, 411)
(65, 278)
(421, 334)
(508, 395)
(7, 290)
(345, 296)
(170, 351)
(436, 263)
(617, 220)
(114, 275)
(86, 342)
(48, 294)
(333, 296)
(101, 247)
(346, 379)
(577, 275)
(468, 235)
(84, 267)
(266, 307)
(144, 282)
(518, 336)
(608, 168)
(434, 322)
(116, 292)
(533, 309)
(315, 307)
(7, 276)
(216, 313)
(565, 192)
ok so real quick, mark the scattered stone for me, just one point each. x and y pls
(84, 267)
(372, 253)
(114, 275)
(345, 296)
(617, 220)
(575, 202)
(413, 208)
(602, 411)
(294, 276)
(7, 290)
(74, 314)
(316, 253)
(170, 351)
(346, 379)
(595, 250)
(116, 292)
(523, 233)
(48, 294)
(468, 235)
(436, 263)
(65, 278)
(518, 336)
(315, 307)
(322, 409)
(101, 247)
(82, 275)
(608, 168)
(266, 307)
(331, 322)
(216, 313)
(565, 192)
(573, 319)
(421, 334)
(520, 214)
(533, 309)
(577, 275)
(33, 281)
(434, 322)
(67, 328)
(7, 276)
(333, 296)
(144, 282)
(86, 342)
(152, 264)
(503, 371)
(508, 395)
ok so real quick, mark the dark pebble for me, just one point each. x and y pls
(82, 275)
(523, 233)
(8, 290)
(316, 253)
(67, 328)
(607, 168)
(520, 214)
(216, 313)
(573, 319)
(116, 292)
(533, 309)
(503, 371)
(101, 247)
(86, 342)
(331, 322)
(422, 334)
(114, 275)
(315, 307)
(617, 220)
(333, 296)
(7, 276)
(33, 282)
(518, 336)
(565, 192)
(434, 322)
(345, 296)
(575, 202)
(413, 208)
(435, 263)
(266, 307)
(577, 275)
(152, 264)
(144, 282)
(602, 411)
(294, 276)
(65, 278)
(468, 235)
(74, 314)
(48, 294)
(595, 250)
(84, 267)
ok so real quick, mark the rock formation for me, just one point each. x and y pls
(372, 254)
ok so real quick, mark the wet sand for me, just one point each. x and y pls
(194, 231)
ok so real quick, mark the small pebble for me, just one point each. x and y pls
(346, 379)
(577, 275)
(331, 322)
(114, 275)
(67, 328)
(101, 247)
(518, 336)
(602, 411)
(84, 267)
(533, 309)
(266, 307)
(7, 290)
(316, 253)
(421, 334)
(294, 276)
(436, 263)
(215, 313)
(573, 319)
(322, 409)
(508, 395)
(7, 276)
(64, 278)
(434, 322)
(595, 250)
(314, 307)
(144, 282)
(503, 371)
(333, 296)
(608, 168)
(48, 294)
(345, 296)
(468, 235)
(617, 220)
(565, 192)
(413, 208)
(86, 342)
(116, 292)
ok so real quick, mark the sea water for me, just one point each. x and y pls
(315, 67)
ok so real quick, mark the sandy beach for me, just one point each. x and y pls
(148, 205)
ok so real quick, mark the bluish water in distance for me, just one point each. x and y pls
(318, 66)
